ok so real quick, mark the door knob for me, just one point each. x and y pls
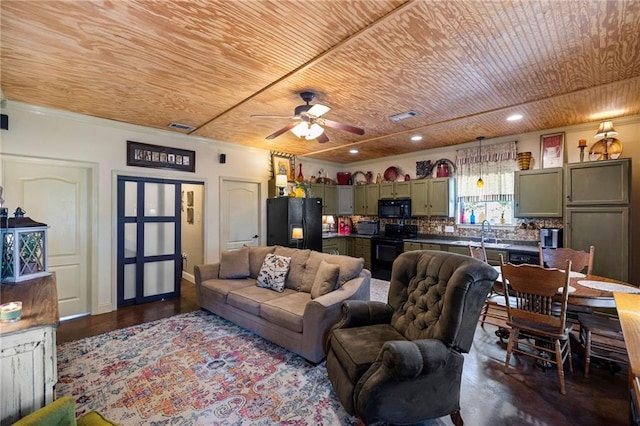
(255, 236)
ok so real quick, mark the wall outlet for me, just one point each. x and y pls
(448, 229)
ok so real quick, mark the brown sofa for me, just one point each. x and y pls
(297, 318)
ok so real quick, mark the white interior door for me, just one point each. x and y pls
(58, 195)
(239, 214)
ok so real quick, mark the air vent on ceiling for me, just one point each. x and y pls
(181, 126)
(403, 115)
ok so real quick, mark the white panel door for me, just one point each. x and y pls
(239, 214)
(58, 195)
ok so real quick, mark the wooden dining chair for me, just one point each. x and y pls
(539, 312)
(556, 258)
(601, 337)
(493, 308)
(581, 261)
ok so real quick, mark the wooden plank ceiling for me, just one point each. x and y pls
(464, 66)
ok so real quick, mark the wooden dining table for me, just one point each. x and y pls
(591, 297)
(587, 296)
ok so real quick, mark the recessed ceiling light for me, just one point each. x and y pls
(353, 151)
(416, 138)
(514, 117)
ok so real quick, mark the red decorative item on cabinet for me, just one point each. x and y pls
(443, 170)
(300, 175)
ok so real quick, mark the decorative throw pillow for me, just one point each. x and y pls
(273, 272)
(326, 279)
(234, 263)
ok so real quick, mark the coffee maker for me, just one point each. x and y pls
(551, 237)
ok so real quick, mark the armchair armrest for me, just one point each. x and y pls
(358, 313)
(409, 359)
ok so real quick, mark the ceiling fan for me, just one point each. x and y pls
(309, 124)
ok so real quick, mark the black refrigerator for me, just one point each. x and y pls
(286, 213)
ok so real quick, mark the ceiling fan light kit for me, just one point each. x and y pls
(307, 130)
(310, 125)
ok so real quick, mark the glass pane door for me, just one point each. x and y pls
(149, 261)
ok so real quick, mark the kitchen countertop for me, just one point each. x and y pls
(514, 246)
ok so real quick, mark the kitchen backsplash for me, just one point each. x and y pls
(523, 230)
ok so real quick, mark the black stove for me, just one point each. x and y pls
(386, 246)
(393, 232)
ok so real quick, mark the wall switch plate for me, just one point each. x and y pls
(448, 229)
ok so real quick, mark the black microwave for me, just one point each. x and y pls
(399, 208)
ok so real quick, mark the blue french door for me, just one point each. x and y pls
(149, 261)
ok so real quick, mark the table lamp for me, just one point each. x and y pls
(331, 221)
(606, 131)
(297, 234)
(281, 183)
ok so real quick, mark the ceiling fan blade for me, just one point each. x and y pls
(285, 129)
(290, 117)
(323, 138)
(341, 126)
(318, 110)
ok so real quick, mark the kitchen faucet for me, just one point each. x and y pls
(488, 229)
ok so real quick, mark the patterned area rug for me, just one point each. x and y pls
(197, 369)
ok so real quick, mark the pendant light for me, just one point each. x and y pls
(480, 182)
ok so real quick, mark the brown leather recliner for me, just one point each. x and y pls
(401, 361)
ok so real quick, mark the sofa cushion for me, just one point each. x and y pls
(234, 263)
(286, 311)
(249, 299)
(350, 268)
(326, 279)
(297, 267)
(220, 288)
(358, 347)
(273, 272)
(256, 258)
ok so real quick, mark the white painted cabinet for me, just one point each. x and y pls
(28, 364)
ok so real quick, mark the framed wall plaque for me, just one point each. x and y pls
(160, 157)
(552, 150)
(283, 164)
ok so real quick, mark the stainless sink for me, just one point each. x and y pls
(477, 244)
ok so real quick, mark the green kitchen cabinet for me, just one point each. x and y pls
(607, 229)
(538, 193)
(433, 197)
(395, 190)
(334, 245)
(363, 250)
(409, 246)
(373, 194)
(360, 200)
(598, 183)
(329, 195)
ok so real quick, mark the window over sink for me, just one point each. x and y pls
(494, 200)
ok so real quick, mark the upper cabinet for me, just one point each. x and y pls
(366, 199)
(345, 200)
(597, 182)
(433, 197)
(538, 193)
(329, 195)
(373, 194)
(395, 190)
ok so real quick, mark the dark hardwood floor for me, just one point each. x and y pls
(93, 325)
(524, 396)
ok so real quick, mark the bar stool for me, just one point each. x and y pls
(601, 337)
